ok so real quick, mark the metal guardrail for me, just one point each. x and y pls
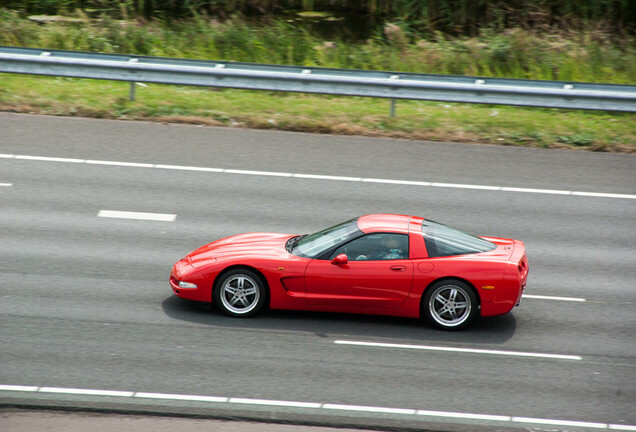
(347, 82)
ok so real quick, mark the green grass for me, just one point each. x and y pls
(547, 128)
(588, 55)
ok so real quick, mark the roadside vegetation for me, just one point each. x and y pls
(571, 47)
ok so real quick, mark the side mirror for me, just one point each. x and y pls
(340, 260)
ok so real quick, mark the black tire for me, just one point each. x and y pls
(240, 293)
(450, 305)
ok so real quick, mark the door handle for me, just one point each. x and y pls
(398, 267)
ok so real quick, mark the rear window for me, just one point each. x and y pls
(442, 240)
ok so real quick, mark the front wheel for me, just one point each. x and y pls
(240, 293)
(450, 305)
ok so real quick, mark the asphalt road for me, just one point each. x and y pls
(86, 303)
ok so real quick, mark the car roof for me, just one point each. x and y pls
(384, 223)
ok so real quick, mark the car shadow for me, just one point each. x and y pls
(491, 330)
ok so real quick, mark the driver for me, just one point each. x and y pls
(393, 248)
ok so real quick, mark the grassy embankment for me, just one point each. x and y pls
(591, 55)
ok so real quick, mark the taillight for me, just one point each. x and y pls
(523, 265)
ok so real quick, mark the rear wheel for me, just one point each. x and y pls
(450, 305)
(240, 293)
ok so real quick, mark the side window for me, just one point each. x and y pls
(374, 247)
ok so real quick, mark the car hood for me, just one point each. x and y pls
(261, 245)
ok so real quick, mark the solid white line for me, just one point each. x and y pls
(275, 403)
(18, 388)
(559, 422)
(463, 415)
(538, 191)
(540, 297)
(162, 217)
(369, 409)
(49, 159)
(6, 184)
(90, 392)
(465, 186)
(326, 177)
(602, 195)
(315, 405)
(622, 427)
(123, 164)
(461, 350)
(189, 168)
(398, 182)
(258, 173)
(180, 397)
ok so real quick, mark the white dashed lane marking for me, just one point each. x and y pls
(89, 392)
(459, 350)
(370, 410)
(161, 217)
(542, 297)
(181, 397)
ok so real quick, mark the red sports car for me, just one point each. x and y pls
(380, 264)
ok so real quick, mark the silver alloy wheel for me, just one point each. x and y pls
(450, 305)
(240, 294)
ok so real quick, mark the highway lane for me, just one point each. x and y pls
(85, 302)
(318, 154)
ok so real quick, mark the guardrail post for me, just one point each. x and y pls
(393, 77)
(132, 83)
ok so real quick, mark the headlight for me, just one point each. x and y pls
(183, 284)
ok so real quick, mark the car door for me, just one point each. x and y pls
(374, 275)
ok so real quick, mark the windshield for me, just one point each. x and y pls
(442, 240)
(314, 245)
